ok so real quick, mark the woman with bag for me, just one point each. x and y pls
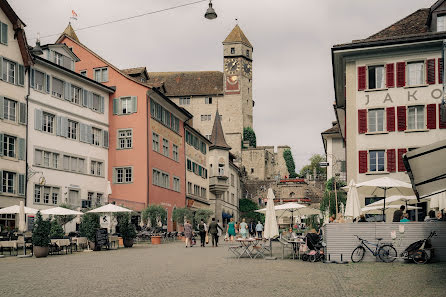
(231, 229)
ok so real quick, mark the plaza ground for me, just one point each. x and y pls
(172, 270)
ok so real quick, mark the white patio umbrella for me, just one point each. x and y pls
(353, 207)
(110, 208)
(271, 228)
(290, 209)
(438, 201)
(15, 209)
(22, 225)
(378, 209)
(60, 211)
(395, 200)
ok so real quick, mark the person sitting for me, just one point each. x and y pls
(362, 219)
(289, 235)
(398, 215)
(431, 216)
(405, 218)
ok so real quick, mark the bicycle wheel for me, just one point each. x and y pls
(420, 257)
(358, 254)
(387, 253)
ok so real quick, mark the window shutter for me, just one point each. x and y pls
(31, 78)
(47, 84)
(1, 181)
(64, 127)
(362, 78)
(114, 175)
(83, 132)
(390, 111)
(3, 73)
(16, 71)
(22, 113)
(21, 148)
(38, 119)
(391, 163)
(430, 71)
(442, 121)
(89, 134)
(90, 100)
(67, 91)
(21, 184)
(362, 121)
(58, 126)
(1, 68)
(1, 148)
(105, 71)
(134, 103)
(440, 70)
(390, 75)
(115, 105)
(101, 101)
(4, 33)
(362, 161)
(401, 114)
(105, 140)
(400, 74)
(431, 116)
(401, 167)
(1, 107)
(85, 98)
(21, 79)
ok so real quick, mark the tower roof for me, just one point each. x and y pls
(69, 31)
(218, 137)
(237, 35)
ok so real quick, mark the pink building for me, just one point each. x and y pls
(146, 154)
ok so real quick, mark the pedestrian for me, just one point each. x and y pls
(252, 229)
(230, 229)
(259, 229)
(188, 233)
(243, 229)
(214, 230)
(398, 215)
(202, 230)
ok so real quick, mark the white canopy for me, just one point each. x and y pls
(292, 209)
(15, 209)
(61, 211)
(110, 208)
(378, 209)
(353, 207)
(271, 228)
(438, 201)
(395, 200)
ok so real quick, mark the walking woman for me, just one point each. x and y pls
(244, 229)
(188, 233)
(231, 229)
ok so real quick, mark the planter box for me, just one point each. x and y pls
(156, 239)
(121, 242)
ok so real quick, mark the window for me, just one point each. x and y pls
(252, 170)
(160, 179)
(123, 175)
(47, 122)
(46, 159)
(96, 102)
(196, 190)
(54, 195)
(83, 72)
(221, 169)
(232, 179)
(101, 74)
(58, 58)
(125, 139)
(189, 187)
(415, 117)
(8, 182)
(376, 161)
(162, 115)
(55, 160)
(9, 109)
(247, 53)
(57, 88)
(96, 168)
(441, 23)
(76, 94)
(208, 100)
(37, 193)
(376, 120)
(156, 142)
(74, 164)
(176, 184)
(46, 195)
(415, 73)
(175, 152)
(9, 71)
(165, 147)
(4, 33)
(96, 136)
(203, 147)
(205, 117)
(99, 198)
(232, 50)
(9, 144)
(203, 193)
(232, 198)
(39, 80)
(72, 129)
(184, 100)
(208, 137)
(73, 197)
(126, 105)
(376, 77)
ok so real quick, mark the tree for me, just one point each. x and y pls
(56, 230)
(154, 213)
(203, 214)
(329, 198)
(247, 209)
(250, 135)
(179, 215)
(62, 220)
(314, 164)
(41, 231)
(126, 228)
(289, 161)
(89, 225)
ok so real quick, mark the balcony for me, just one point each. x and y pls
(218, 184)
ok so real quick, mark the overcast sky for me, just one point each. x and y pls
(292, 75)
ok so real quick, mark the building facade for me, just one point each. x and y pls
(334, 147)
(388, 93)
(265, 162)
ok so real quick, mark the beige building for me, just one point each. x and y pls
(334, 147)
(388, 91)
(264, 162)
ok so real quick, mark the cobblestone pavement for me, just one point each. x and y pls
(172, 270)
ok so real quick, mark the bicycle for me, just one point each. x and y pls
(386, 252)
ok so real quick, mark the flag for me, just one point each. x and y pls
(73, 15)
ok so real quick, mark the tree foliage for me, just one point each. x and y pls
(180, 215)
(62, 220)
(250, 135)
(247, 209)
(155, 213)
(41, 231)
(289, 161)
(56, 230)
(314, 164)
(203, 214)
(329, 198)
(126, 228)
(89, 225)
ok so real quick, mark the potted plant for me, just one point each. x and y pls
(179, 215)
(56, 230)
(41, 236)
(89, 226)
(154, 214)
(127, 230)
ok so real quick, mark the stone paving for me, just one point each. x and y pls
(172, 270)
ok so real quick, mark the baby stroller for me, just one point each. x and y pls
(313, 250)
(420, 251)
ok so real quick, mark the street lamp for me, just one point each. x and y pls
(210, 12)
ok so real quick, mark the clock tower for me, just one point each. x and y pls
(237, 64)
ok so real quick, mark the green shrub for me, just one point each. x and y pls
(126, 228)
(179, 215)
(203, 214)
(250, 135)
(41, 231)
(89, 225)
(154, 213)
(289, 161)
(56, 231)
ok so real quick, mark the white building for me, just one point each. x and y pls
(68, 133)
(388, 91)
(334, 147)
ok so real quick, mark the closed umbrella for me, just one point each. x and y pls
(353, 207)
(271, 228)
(22, 225)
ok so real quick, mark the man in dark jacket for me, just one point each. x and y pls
(202, 229)
(213, 230)
(398, 215)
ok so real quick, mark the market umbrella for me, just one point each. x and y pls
(395, 200)
(271, 228)
(438, 201)
(15, 209)
(60, 211)
(377, 209)
(290, 208)
(110, 208)
(353, 207)
(22, 225)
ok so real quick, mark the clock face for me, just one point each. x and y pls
(232, 66)
(247, 69)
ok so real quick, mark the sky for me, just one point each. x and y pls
(292, 39)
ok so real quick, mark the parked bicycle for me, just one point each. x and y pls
(386, 252)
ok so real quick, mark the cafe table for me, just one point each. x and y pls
(245, 247)
(62, 243)
(296, 242)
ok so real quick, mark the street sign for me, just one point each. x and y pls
(324, 164)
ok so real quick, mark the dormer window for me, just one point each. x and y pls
(101, 74)
(441, 23)
(58, 58)
(232, 50)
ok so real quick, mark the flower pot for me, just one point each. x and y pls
(128, 242)
(121, 241)
(156, 239)
(41, 251)
(91, 244)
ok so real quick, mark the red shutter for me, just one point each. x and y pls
(401, 167)
(442, 124)
(440, 70)
(362, 78)
(362, 121)
(430, 73)
(400, 74)
(391, 162)
(362, 161)
(401, 113)
(390, 119)
(390, 75)
(431, 116)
